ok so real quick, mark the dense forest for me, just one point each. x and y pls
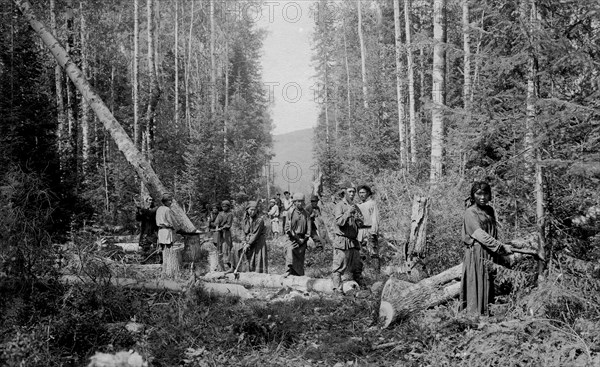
(103, 103)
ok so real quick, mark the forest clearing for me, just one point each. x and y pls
(472, 127)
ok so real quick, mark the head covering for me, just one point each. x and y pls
(166, 196)
(251, 204)
(346, 185)
(225, 202)
(214, 205)
(298, 196)
(366, 188)
(272, 200)
(314, 198)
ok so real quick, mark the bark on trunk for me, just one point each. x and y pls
(172, 260)
(154, 92)
(168, 285)
(411, 82)
(399, 84)
(85, 134)
(414, 299)
(363, 62)
(176, 49)
(438, 92)
(137, 131)
(398, 300)
(60, 103)
(122, 140)
(418, 226)
(278, 281)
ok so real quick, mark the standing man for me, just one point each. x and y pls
(223, 226)
(287, 205)
(165, 222)
(148, 230)
(314, 212)
(369, 233)
(346, 248)
(297, 227)
(274, 217)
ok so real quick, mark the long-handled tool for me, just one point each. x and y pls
(240, 261)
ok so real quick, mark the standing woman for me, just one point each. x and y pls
(255, 240)
(479, 235)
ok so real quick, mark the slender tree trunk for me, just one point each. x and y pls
(124, 143)
(528, 14)
(399, 83)
(154, 91)
(137, 131)
(213, 62)
(71, 104)
(60, 103)
(348, 100)
(477, 59)
(438, 92)
(176, 107)
(325, 99)
(466, 77)
(85, 134)
(363, 62)
(188, 112)
(410, 71)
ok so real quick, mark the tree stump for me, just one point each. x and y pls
(215, 262)
(172, 260)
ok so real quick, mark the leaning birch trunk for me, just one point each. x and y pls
(172, 259)
(405, 301)
(124, 143)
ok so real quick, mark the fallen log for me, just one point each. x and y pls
(400, 299)
(587, 268)
(166, 285)
(414, 299)
(278, 281)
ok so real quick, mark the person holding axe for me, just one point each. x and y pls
(255, 242)
(480, 237)
(223, 227)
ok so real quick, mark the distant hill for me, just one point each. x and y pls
(296, 148)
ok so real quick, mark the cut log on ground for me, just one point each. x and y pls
(221, 289)
(278, 281)
(172, 260)
(400, 300)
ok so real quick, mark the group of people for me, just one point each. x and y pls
(356, 224)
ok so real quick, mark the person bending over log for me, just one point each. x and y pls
(255, 244)
(297, 227)
(479, 235)
(346, 248)
(223, 223)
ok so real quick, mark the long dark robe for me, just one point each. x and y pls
(298, 224)
(255, 231)
(224, 221)
(479, 236)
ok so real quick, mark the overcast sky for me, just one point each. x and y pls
(287, 67)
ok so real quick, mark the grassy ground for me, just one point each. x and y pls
(50, 324)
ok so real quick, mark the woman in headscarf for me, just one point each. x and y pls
(255, 239)
(223, 225)
(482, 248)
